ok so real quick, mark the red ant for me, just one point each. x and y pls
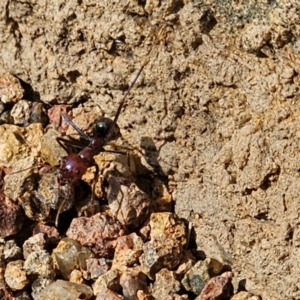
(75, 165)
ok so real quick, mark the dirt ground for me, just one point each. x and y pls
(215, 111)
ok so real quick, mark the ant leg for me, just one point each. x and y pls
(62, 142)
(61, 206)
(93, 189)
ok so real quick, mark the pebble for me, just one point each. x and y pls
(50, 233)
(165, 284)
(167, 225)
(218, 288)
(65, 290)
(196, 278)
(39, 263)
(128, 250)
(100, 232)
(34, 243)
(109, 280)
(16, 144)
(130, 204)
(109, 295)
(39, 284)
(51, 151)
(96, 267)
(10, 89)
(245, 296)
(160, 254)
(15, 276)
(132, 281)
(21, 112)
(76, 277)
(11, 217)
(70, 255)
(11, 251)
(186, 263)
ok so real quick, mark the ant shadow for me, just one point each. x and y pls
(145, 170)
(151, 155)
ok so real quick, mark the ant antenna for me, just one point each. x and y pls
(84, 135)
(122, 104)
(26, 169)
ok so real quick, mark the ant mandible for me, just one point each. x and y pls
(75, 165)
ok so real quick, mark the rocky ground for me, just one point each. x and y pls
(207, 185)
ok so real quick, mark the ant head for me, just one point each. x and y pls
(102, 127)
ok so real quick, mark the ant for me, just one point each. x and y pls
(74, 165)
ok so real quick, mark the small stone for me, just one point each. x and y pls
(165, 284)
(51, 234)
(39, 285)
(15, 275)
(6, 118)
(65, 290)
(244, 296)
(51, 151)
(255, 36)
(39, 263)
(38, 114)
(196, 278)
(49, 195)
(127, 201)
(16, 144)
(55, 119)
(160, 254)
(167, 225)
(176, 297)
(109, 280)
(218, 288)
(128, 250)
(21, 295)
(5, 294)
(11, 251)
(141, 295)
(144, 232)
(21, 112)
(132, 280)
(96, 267)
(10, 89)
(34, 243)
(17, 183)
(70, 255)
(76, 277)
(11, 217)
(164, 200)
(99, 232)
(109, 295)
(186, 263)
